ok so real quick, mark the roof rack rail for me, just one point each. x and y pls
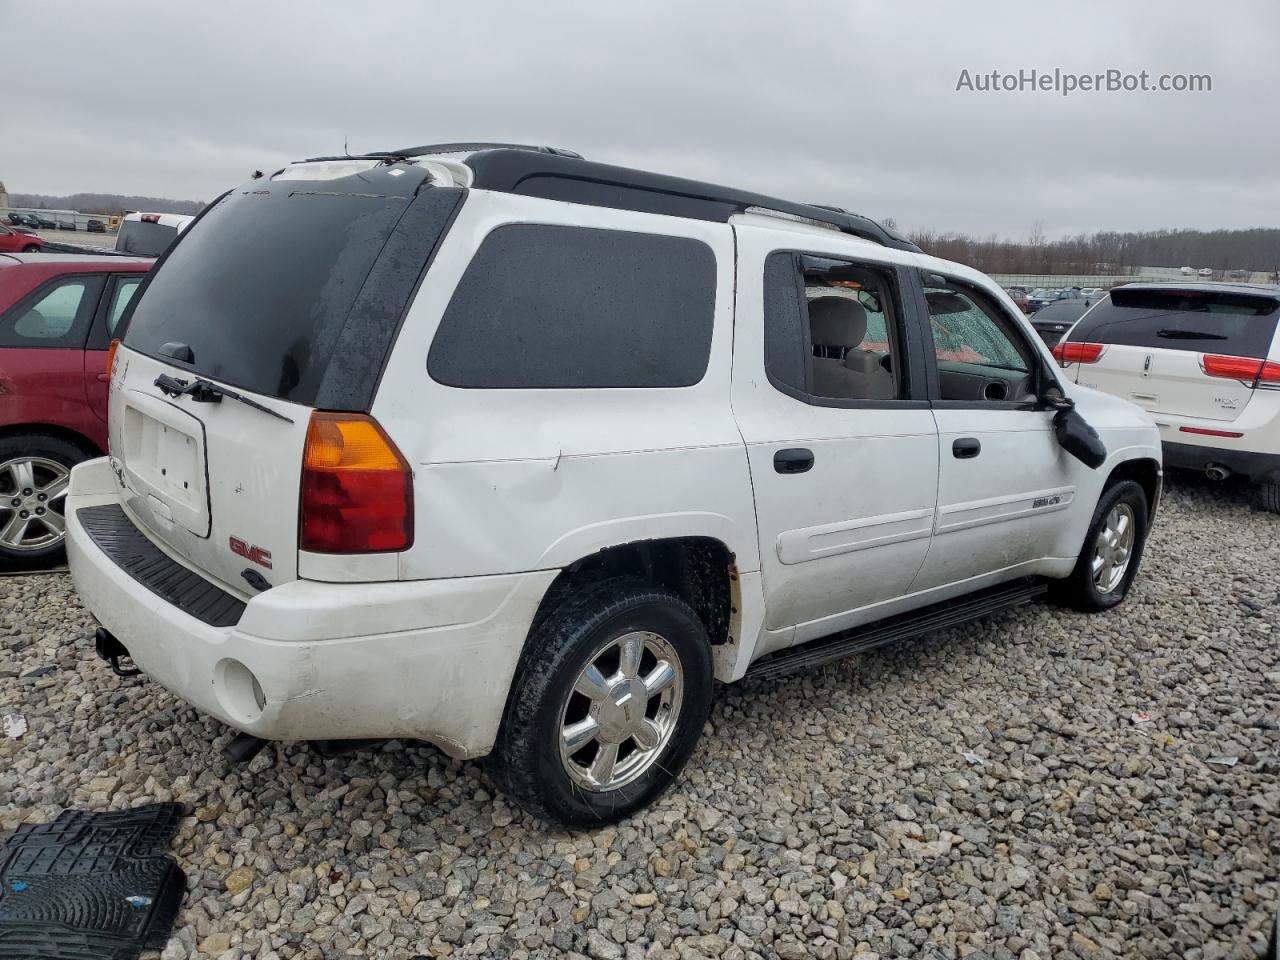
(429, 149)
(556, 176)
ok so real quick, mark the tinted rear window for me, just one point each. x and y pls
(548, 306)
(1064, 311)
(1203, 321)
(144, 239)
(260, 287)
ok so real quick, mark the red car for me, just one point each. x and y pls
(11, 241)
(1019, 295)
(57, 315)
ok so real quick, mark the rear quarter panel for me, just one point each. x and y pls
(516, 480)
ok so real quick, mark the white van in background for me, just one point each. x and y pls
(149, 234)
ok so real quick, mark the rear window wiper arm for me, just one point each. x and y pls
(206, 391)
(1189, 335)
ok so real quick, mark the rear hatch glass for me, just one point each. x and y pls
(260, 286)
(1154, 340)
(260, 298)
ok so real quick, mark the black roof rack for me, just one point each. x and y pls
(556, 176)
(429, 149)
(554, 173)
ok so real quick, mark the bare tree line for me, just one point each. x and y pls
(1257, 248)
(111, 204)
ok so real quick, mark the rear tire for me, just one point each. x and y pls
(1269, 496)
(1112, 551)
(606, 706)
(41, 464)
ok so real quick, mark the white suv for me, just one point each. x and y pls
(515, 453)
(1204, 358)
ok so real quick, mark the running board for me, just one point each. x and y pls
(902, 627)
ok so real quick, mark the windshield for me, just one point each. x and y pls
(144, 239)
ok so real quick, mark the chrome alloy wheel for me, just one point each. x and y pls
(621, 712)
(1113, 548)
(33, 496)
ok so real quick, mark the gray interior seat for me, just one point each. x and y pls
(842, 369)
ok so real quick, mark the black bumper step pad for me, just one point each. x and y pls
(111, 529)
(90, 886)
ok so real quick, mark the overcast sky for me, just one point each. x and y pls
(851, 103)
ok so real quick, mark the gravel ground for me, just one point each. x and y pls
(832, 814)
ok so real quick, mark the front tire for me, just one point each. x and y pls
(606, 706)
(1112, 550)
(31, 248)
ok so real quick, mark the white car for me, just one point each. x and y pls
(515, 453)
(1204, 359)
(149, 234)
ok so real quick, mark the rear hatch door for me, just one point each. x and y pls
(1155, 339)
(283, 297)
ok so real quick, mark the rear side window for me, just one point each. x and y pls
(544, 306)
(55, 315)
(1202, 321)
(144, 239)
(831, 329)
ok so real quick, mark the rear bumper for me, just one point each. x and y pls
(430, 659)
(1256, 466)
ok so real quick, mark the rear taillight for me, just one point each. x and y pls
(1241, 368)
(150, 218)
(357, 490)
(111, 357)
(1067, 352)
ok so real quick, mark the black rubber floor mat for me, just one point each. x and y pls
(90, 886)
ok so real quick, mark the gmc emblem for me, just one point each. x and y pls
(252, 554)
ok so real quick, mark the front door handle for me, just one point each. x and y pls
(966, 448)
(793, 460)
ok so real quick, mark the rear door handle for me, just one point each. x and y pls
(966, 448)
(793, 460)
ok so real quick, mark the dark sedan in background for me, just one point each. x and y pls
(1054, 320)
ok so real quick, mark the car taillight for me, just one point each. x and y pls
(111, 357)
(1069, 352)
(150, 218)
(357, 489)
(1241, 368)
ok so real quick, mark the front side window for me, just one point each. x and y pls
(831, 329)
(544, 307)
(53, 317)
(979, 356)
